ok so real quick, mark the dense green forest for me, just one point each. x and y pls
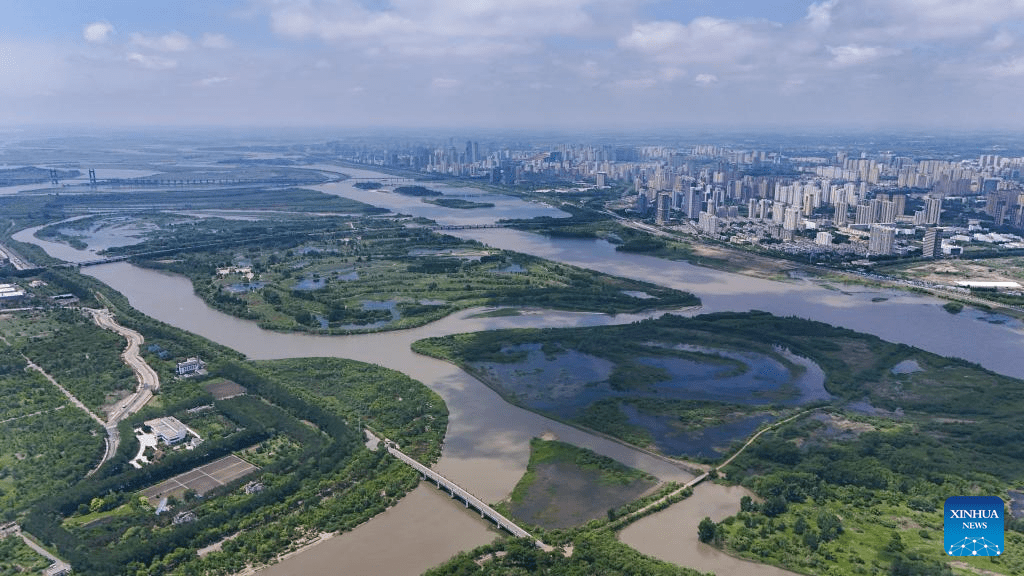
(84, 358)
(46, 444)
(857, 495)
(300, 423)
(332, 484)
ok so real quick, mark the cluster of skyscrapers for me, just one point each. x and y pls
(876, 200)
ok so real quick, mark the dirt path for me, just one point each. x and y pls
(70, 396)
(661, 501)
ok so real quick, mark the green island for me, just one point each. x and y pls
(852, 486)
(567, 486)
(460, 203)
(416, 191)
(386, 279)
(682, 387)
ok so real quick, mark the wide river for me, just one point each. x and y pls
(487, 444)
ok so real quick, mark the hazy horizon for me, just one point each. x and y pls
(628, 65)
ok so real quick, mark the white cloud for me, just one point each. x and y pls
(481, 28)
(97, 32)
(151, 62)
(213, 80)
(215, 41)
(819, 16)
(854, 55)
(1012, 67)
(705, 79)
(173, 42)
(704, 40)
(591, 70)
(917, 20)
(636, 83)
(445, 83)
(1001, 41)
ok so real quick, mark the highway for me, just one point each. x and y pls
(17, 261)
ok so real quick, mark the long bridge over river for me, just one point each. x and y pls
(462, 494)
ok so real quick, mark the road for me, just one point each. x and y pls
(57, 565)
(17, 261)
(148, 380)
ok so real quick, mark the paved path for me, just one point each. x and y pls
(57, 565)
(148, 379)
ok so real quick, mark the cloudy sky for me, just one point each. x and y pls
(514, 63)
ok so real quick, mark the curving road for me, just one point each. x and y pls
(147, 377)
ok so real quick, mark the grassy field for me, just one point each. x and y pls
(566, 486)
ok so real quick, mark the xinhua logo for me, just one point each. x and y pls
(973, 526)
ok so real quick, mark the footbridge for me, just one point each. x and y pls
(458, 492)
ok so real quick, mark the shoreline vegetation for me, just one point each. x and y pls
(858, 482)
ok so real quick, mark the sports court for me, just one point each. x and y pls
(201, 479)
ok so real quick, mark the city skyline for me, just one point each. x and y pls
(581, 64)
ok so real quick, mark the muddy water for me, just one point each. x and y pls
(671, 533)
(403, 540)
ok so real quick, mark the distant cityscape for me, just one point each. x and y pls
(833, 207)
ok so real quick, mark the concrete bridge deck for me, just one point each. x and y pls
(458, 492)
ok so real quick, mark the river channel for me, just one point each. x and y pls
(487, 444)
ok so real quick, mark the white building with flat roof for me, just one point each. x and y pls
(169, 429)
(190, 366)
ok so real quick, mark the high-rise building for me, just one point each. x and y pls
(664, 205)
(808, 205)
(876, 209)
(881, 240)
(932, 247)
(901, 204)
(887, 214)
(708, 223)
(933, 211)
(840, 215)
(641, 203)
(823, 239)
(864, 214)
(601, 179)
(792, 218)
(693, 203)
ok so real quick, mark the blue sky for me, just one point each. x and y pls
(515, 63)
